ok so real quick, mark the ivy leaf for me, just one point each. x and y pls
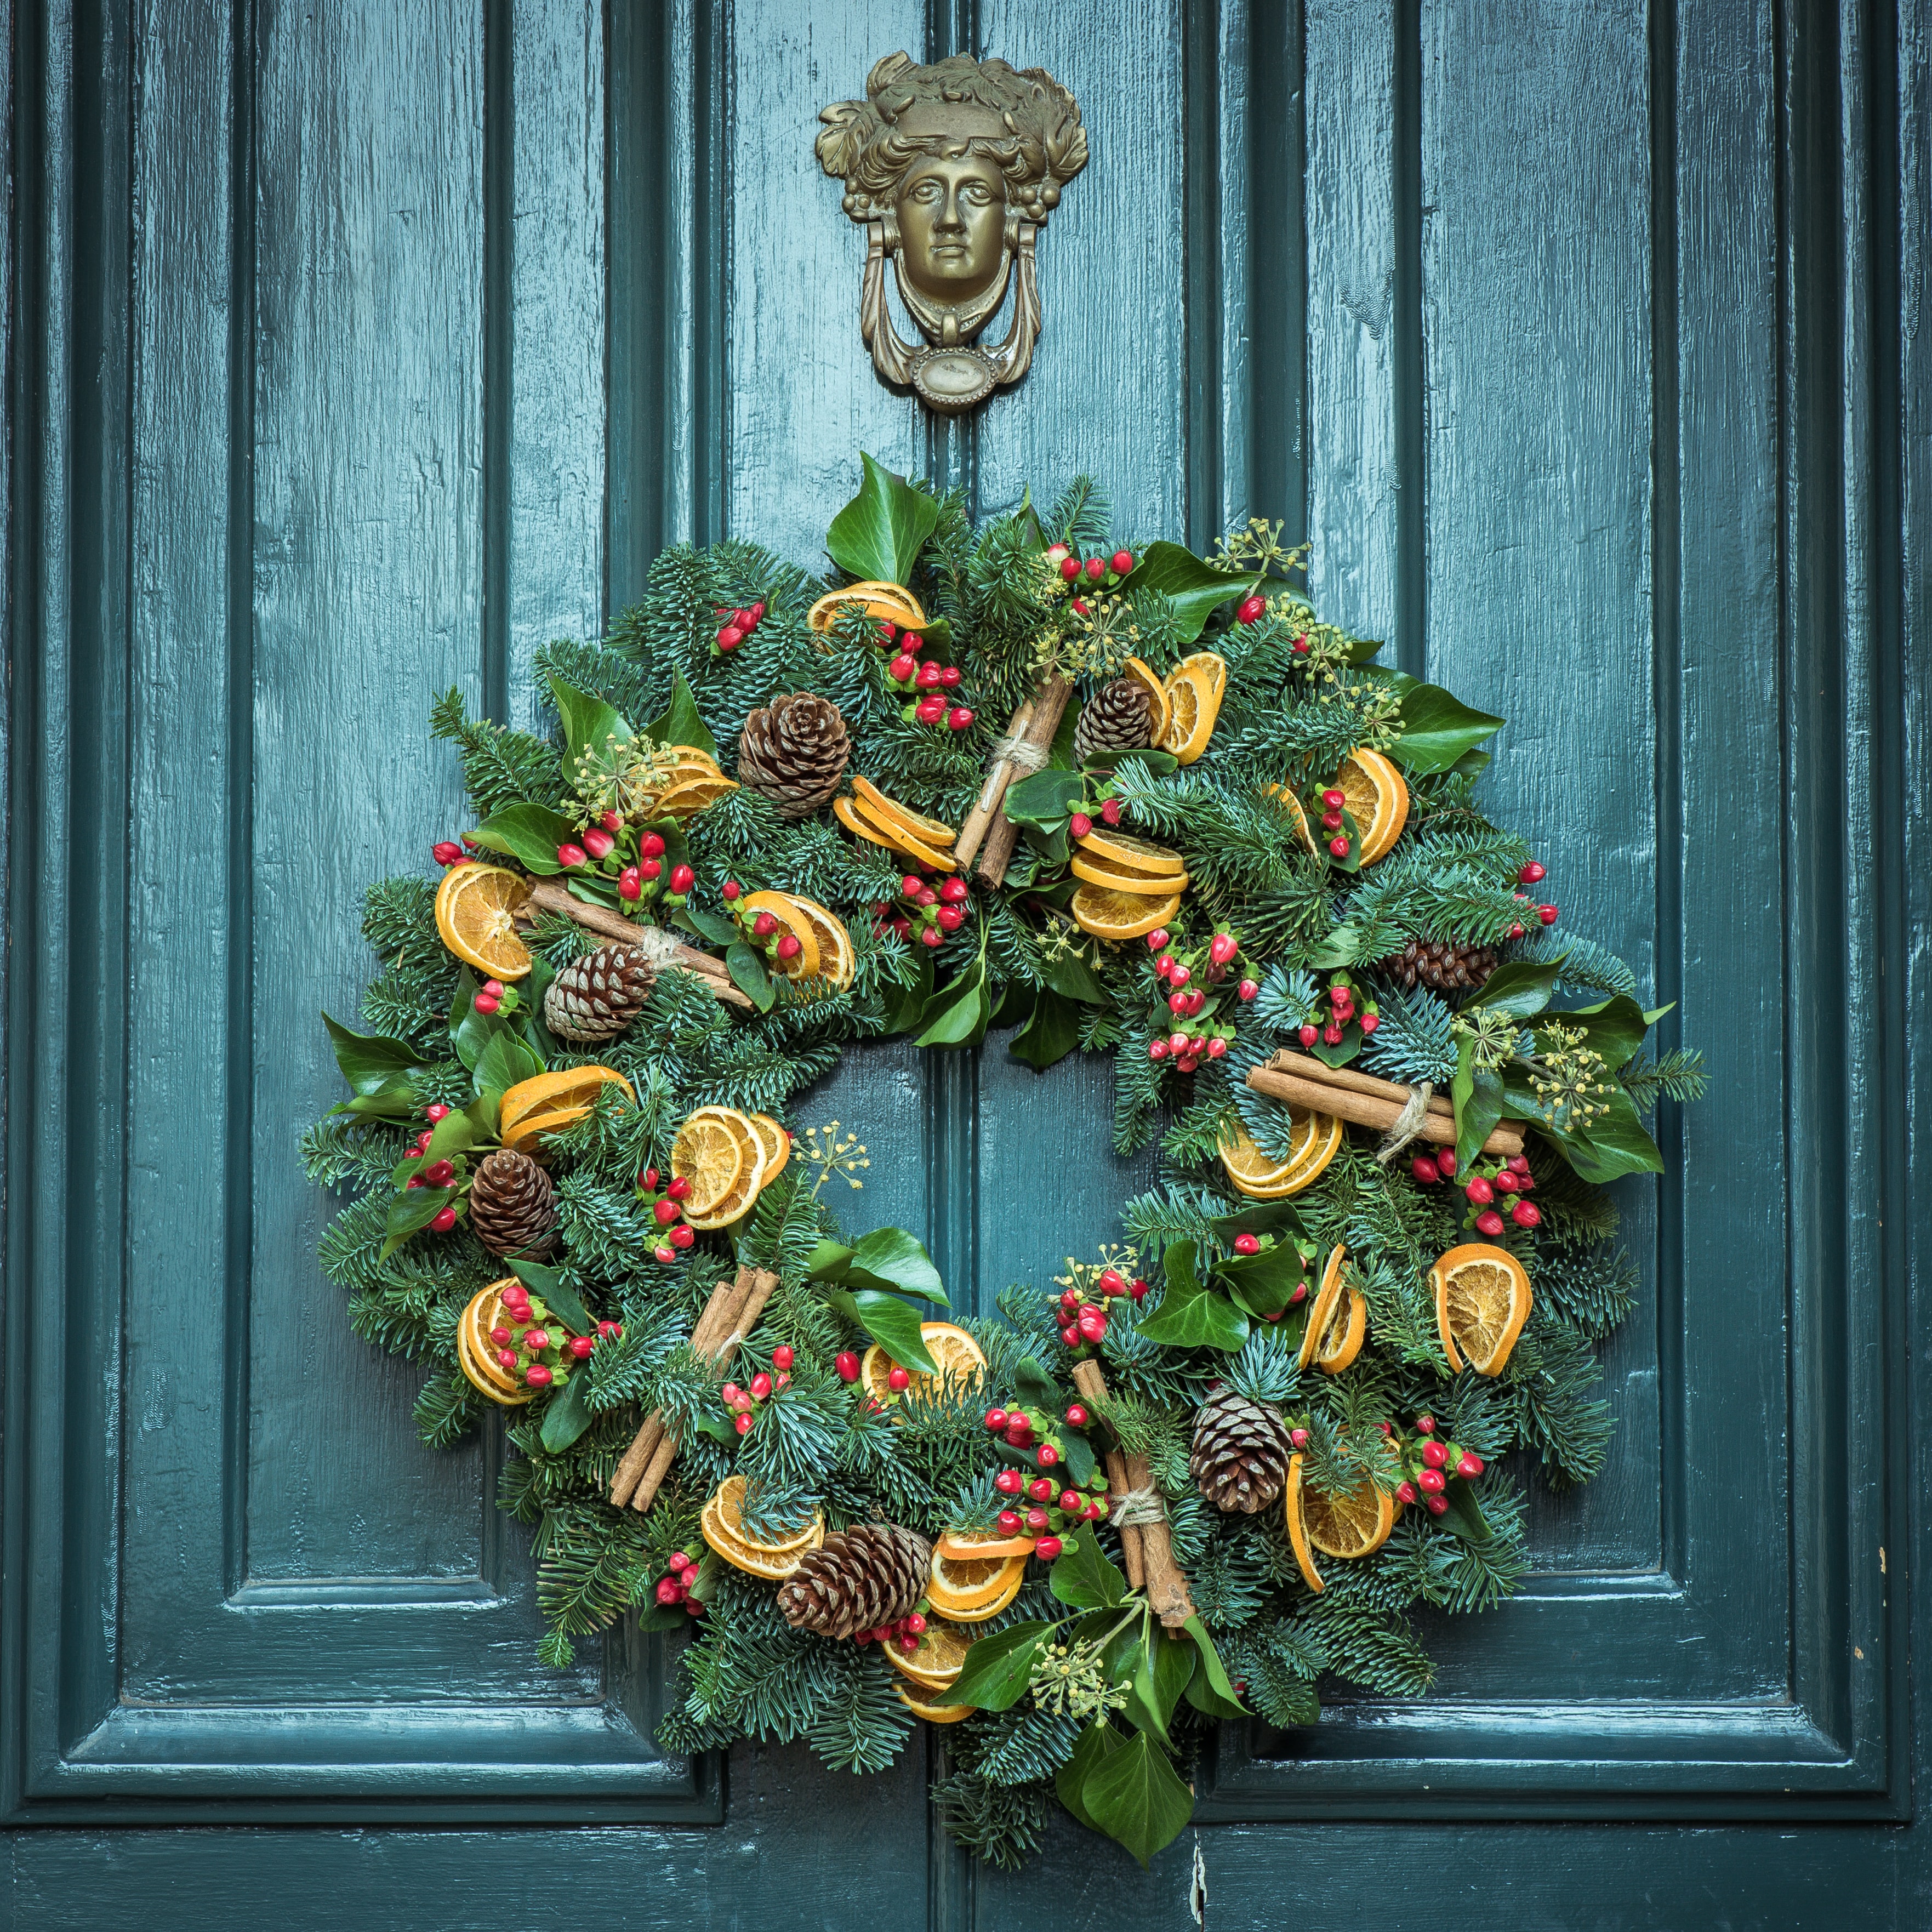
(1051, 1032)
(1209, 1690)
(1084, 1576)
(1189, 1316)
(680, 723)
(1080, 1460)
(747, 969)
(1161, 1674)
(529, 833)
(1092, 1747)
(586, 720)
(370, 1061)
(1615, 1028)
(879, 534)
(1195, 589)
(1046, 800)
(1262, 1283)
(568, 1415)
(1614, 1143)
(1479, 1100)
(906, 1001)
(547, 1285)
(1265, 1217)
(996, 1669)
(890, 1322)
(891, 1257)
(1521, 989)
(827, 1261)
(504, 1062)
(959, 1014)
(1159, 763)
(716, 927)
(1069, 974)
(1135, 1797)
(1033, 1386)
(1341, 946)
(1438, 728)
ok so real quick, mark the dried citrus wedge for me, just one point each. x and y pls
(722, 1524)
(966, 1542)
(717, 1150)
(856, 818)
(933, 1714)
(1314, 1139)
(1340, 1341)
(1159, 709)
(936, 1663)
(803, 964)
(1122, 852)
(1349, 1526)
(890, 603)
(476, 1353)
(1378, 797)
(837, 961)
(690, 795)
(774, 1143)
(1291, 806)
(889, 812)
(1482, 1298)
(1107, 912)
(568, 1095)
(1195, 688)
(475, 906)
(1135, 885)
(532, 1128)
(957, 1354)
(971, 1589)
(1328, 1299)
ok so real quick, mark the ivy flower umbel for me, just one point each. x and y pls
(825, 1152)
(1072, 1683)
(1570, 1078)
(625, 776)
(1257, 546)
(1096, 641)
(1493, 1037)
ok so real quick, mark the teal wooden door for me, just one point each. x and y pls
(355, 351)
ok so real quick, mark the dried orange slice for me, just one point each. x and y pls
(1378, 797)
(855, 818)
(475, 906)
(837, 961)
(1322, 1309)
(1353, 1526)
(1314, 1138)
(722, 1525)
(803, 964)
(973, 1589)
(890, 603)
(934, 1714)
(532, 1127)
(1291, 806)
(1340, 1340)
(774, 1143)
(889, 812)
(566, 1096)
(1159, 707)
(717, 1150)
(476, 1353)
(1194, 689)
(1135, 885)
(936, 1663)
(955, 1351)
(1108, 913)
(969, 1542)
(690, 795)
(1482, 1298)
(1122, 852)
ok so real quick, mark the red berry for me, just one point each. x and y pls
(1246, 1244)
(1247, 990)
(1250, 610)
(487, 1002)
(901, 668)
(1331, 821)
(1370, 1022)
(1123, 563)
(668, 1592)
(664, 1252)
(948, 677)
(682, 878)
(1531, 874)
(1110, 1282)
(610, 1331)
(1157, 1049)
(1480, 1191)
(1040, 1489)
(629, 885)
(446, 851)
(1426, 1424)
(996, 1419)
(790, 946)
(1223, 947)
(650, 846)
(1446, 1160)
(1299, 1438)
(1425, 1170)
(612, 821)
(1095, 570)
(580, 1346)
(1080, 825)
(931, 935)
(911, 886)
(1516, 931)
(915, 1625)
(1490, 1223)
(598, 842)
(730, 890)
(951, 919)
(1217, 1048)
(508, 1357)
(1506, 1183)
(665, 1212)
(1110, 811)
(1048, 1548)
(570, 855)
(1035, 1519)
(1009, 1482)
(927, 678)
(1158, 938)
(1470, 1465)
(1525, 1213)
(1138, 1291)
(1046, 1455)
(1404, 1491)
(730, 637)
(1332, 1034)
(1076, 1415)
(1338, 848)
(445, 1219)
(1069, 567)
(499, 1335)
(1334, 800)
(516, 1297)
(897, 1378)
(1547, 914)
(678, 1187)
(436, 1111)
(761, 1386)
(847, 1366)
(742, 1423)
(649, 868)
(1519, 1164)
(1438, 1505)
(537, 1376)
(1432, 1482)
(1434, 1455)
(930, 711)
(954, 892)
(1009, 1521)
(763, 926)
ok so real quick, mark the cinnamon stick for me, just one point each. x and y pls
(1166, 1586)
(1288, 1061)
(999, 776)
(1049, 705)
(1365, 1110)
(1093, 1384)
(704, 1339)
(662, 948)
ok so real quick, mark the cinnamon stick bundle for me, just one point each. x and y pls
(999, 776)
(1366, 1101)
(1165, 1583)
(1093, 1384)
(1049, 707)
(664, 950)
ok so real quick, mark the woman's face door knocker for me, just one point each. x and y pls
(951, 170)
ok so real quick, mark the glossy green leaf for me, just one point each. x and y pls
(1264, 1217)
(828, 1261)
(1051, 1032)
(959, 1014)
(891, 1258)
(1195, 589)
(587, 721)
(370, 1062)
(680, 723)
(1084, 1576)
(892, 1323)
(547, 1284)
(1262, 1283)
(1069, 974)
(1522, 988)
(1160, 1676)
(1192, 1316)
(412, 1210)
(994, 1675)
(529, 833)
(567, 1415)
(1438, 728)
(1464, 1514)
(1210, 1691)
(1615, 1143)
(715, 928)
(1034, 1388)
(1134, 1796)
(1616, 1028)
(504, 1062)
(879, 534)
(1095, 1745)
(1044, 800)
(746, 966)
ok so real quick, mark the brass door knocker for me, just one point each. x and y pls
(951, 170)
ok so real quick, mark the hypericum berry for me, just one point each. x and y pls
(1177, 1042)
(1480, 1191)
(487, 1003)
(1179, 975)
(1046, 1455)
(630, 883)
(1250, 610)
(445, 1220)
(1531, 873)
(649, 868)
(1157, 1049)
(902, 669)
(1490, 1223)
(996, 1419)
(730, 637)
(1110, 1282)
(1076, 1415)
(1334, 800)
(1299, 1437)
(678, 1187)
(1035, 1519)
(650, 846)
(897, 1378)
(581, 1345)
(1469, 1464)
(928, 677)
(1040, 1489)
(1338, 848)
(1332, 1034)
(1157, 939)
(1404, 1491)
(446, 851)
(931, 710)
(742, 1423)
(949, 676)
(951, 919)
(1425, 1425)
(1506, 1183)
(730, 890)
(1110, 811)
(1438, 1505)
(664, 1212)
(1138, 1290)
(537, 1376)
(958, 718)
(436, 1111)
(847, 1366)
(761, 1386)
(508, 1357)
(1009, 1482)
(1425, 1170)
(954, 892)
(668, 1592)
(1247, 990)
(1246, 1244)
(569, 855)
(1080, 825)
(1434, 1455)
(598, 842)
(1516, 931)
(499, 1335)
(1070, 1502)
(1217, 1047)
(1525, 1213)
(1069, 566)
(682, 878)
(931, 935)
(1432, 1482)
(1123, 563)
(1095, 570)
(1223, 947)
(516, 1296)
(1547, 914)
(1048, 1548)
(1370, 1022)
(1446, 1160)
(763, 926)
(790, 946)
(664, 1252)
(1331, 821)
(1009, 1521)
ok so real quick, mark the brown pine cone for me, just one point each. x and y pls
(1240, 1458)
(1444, 966)
(597, 996)
(1115, 718)
(872, 1573)
(793, 752)
(512, 1206)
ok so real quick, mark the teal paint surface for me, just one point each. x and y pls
(356, 351)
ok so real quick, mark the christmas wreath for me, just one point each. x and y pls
(1197, 1475)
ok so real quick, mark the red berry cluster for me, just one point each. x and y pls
(1428, 1462)
(1083, 1318)
(1102, 573)
(763, 932)
(610, 849)
(1329, 1019)
(676, 1587)
(747, 1404)
(1106, 808)
(1532, 873)
(736, 627)
(528, 1344)
(447, 852)
(933, 912)
(452, 1172)
(926, 685)
(1043, 1506)
(1503, 1183)
(906, 1632)
(1189, 973)
(666, 1202)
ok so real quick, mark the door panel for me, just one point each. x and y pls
(358, 351)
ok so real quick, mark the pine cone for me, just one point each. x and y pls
(511, 1206)
(793, 752)
(597, 996)
(1240, 1452)
(1115, 718)
(872, 1573)
(1444, 966)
